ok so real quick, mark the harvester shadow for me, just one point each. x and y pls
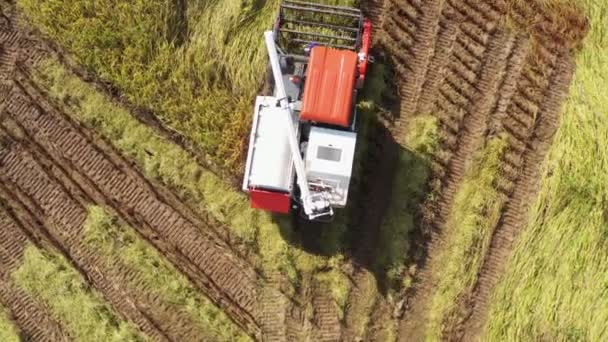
(376, 229)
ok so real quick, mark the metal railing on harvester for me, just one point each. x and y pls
(302, 24)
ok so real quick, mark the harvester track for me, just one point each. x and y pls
(34, 322)
(536, 122)
(109, 180)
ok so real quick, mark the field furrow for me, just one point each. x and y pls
(232, 282)
(34, 321)
(526, 181)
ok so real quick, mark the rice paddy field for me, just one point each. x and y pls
(478, 201)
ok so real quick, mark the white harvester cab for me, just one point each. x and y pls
(329, 162)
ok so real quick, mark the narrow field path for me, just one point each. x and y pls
(367, 219)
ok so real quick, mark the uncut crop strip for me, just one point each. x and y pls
(32, 318)
(531, 123)
(109, 180)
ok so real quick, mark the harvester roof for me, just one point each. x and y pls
(328, 90)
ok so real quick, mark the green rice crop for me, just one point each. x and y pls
(198, 67)
(8, 332)
(83, 313)
(556, 286)
(473, 216)
(113, 239)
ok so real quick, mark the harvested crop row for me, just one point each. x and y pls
(32, 318)
(123, 287)
(525, 178)
(474, 84)
(134, 198)
(44, 198)
(468, 77)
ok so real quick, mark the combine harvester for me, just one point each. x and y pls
(319, 57)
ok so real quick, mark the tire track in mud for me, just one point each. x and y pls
(110, 181)
(49, 196)
(326, 320)
(375, 11)
(409, 35)
(33, 320)
(33, 49)
(531, 126)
